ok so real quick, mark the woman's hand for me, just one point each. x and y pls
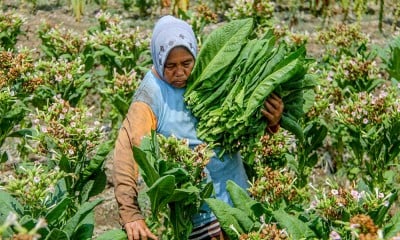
(138, 230)
(273, 109)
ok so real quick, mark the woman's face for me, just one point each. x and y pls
(178, 67)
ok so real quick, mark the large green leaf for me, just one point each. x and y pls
(160, 192)
(97, 161)
(9, 204)
(115, 234)
(148, 172)
(296, 228)
(393, 226)
(230, 217)
(57, 234)
(56, 213)
(219, 51)
(73, 223)
(242, 200)
(85, 228)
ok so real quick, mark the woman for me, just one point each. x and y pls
(159, 105)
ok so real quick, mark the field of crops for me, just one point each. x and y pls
(68, 71)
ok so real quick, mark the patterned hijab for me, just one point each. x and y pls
(170, 32)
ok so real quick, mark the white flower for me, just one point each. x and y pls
(386, 203)
(71, 152)
(51, 189)
(44, 129)
(58, 78)
(335, 192)
(36, 179)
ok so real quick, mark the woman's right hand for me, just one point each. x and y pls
(138, 230)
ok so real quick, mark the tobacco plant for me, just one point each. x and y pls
(64, 78)
(174, 175)
(10, 29)
(391, 59)
(336, 211)
(12, 111)
(116, 47)
(261, 11)
(60, 187)
(59, 42)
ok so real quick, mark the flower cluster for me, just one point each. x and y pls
(366, 109)
(250, 8)
(338, 203)
(342, 36)
(66, 130)
(13, 67)
(364, 227)
(206, 13)
(34, 187)
(192, 160)
(58, 41)
(119, 39)
(270, 150)
(273, 186)
(268, 231)
(357, 73)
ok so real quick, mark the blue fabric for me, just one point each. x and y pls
(173, 118)
(170, 32)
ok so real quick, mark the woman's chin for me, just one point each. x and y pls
(179, 84)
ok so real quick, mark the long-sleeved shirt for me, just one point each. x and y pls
(159, 106)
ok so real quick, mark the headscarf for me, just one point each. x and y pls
(170, 32)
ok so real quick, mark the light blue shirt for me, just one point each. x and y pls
(173, 118)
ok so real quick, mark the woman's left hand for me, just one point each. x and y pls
(273, 109)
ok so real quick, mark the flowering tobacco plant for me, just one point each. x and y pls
(116, 47)
(34, 187)
(65, 78)
(65, 131)
(261, 11)
(372, 121)
(14, 67)
(174, 175)
(117, 95)
(10, 28)
(350, 210)
(60, 42)
(275, 187)
(341, 39)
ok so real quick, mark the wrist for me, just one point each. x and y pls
(273, 128)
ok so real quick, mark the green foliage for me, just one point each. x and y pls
(173, 174)
(391, 58)
(10, 29)
(12, 111)
(230, 82)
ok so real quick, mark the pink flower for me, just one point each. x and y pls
(334, 236)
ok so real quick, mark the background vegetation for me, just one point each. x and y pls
(65, 91)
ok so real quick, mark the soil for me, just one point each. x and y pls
(106, 214)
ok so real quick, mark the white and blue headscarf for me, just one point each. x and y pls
(170, 32)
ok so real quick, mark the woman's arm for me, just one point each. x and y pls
(138, 123)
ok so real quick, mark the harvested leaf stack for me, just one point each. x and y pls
(233, 76)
